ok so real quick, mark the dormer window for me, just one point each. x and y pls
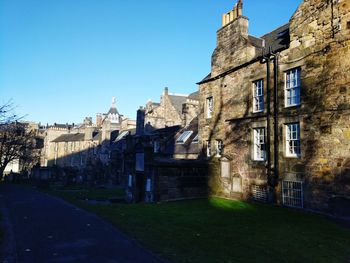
(184, 137)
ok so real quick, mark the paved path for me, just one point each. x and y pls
(46, 229)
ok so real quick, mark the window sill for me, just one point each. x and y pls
(292, 156)
(291, 106)
(258, 161)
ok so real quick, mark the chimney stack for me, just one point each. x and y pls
(140, 121)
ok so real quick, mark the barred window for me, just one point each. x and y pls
(293, 140)
(293, 194)
(259, 144)
(292, 87)
(258, 96)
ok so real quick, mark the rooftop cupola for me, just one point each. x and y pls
(237, 11)
(113, 115)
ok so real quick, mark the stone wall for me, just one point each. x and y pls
(176, 181)
(163, 114)
(320, 47)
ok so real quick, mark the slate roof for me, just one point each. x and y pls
(170, 129)
(177, 102)
(194, 96)
(188, 147)
(277, 39)
(113, 110)
(70, 137)
(255, 41)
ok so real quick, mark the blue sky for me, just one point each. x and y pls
(63, 60)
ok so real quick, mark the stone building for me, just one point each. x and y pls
(169, 112)
(275, 110)
(76, 145)
(163, 165)
(160, 159)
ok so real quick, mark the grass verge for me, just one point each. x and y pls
(218, 230)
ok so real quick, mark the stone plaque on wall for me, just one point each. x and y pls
(236, 184)
(225, 168)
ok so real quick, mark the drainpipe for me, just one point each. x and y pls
(275, 119)
(272, 180)
(267, 60)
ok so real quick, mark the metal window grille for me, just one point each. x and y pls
(259, 193)
(293, 194)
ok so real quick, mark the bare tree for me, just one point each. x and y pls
(7, 114)
(16, 141)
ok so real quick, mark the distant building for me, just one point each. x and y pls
(170, 111)
(71, 145)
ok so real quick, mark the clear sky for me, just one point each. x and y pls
(61, 61)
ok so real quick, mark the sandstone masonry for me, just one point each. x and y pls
(283, 118)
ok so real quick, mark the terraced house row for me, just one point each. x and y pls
(274, 116)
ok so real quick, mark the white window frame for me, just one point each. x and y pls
(258, 95)
(195, 139)
(293, 140)
(292, 87)
(184, 137)
(210, 106)
(219, 147)
(208, 149)
(259, 141)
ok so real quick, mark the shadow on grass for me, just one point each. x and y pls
(218, 230)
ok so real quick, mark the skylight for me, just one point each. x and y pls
(122, 135)
(184, 137)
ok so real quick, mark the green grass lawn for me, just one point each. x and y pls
(218, 230)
